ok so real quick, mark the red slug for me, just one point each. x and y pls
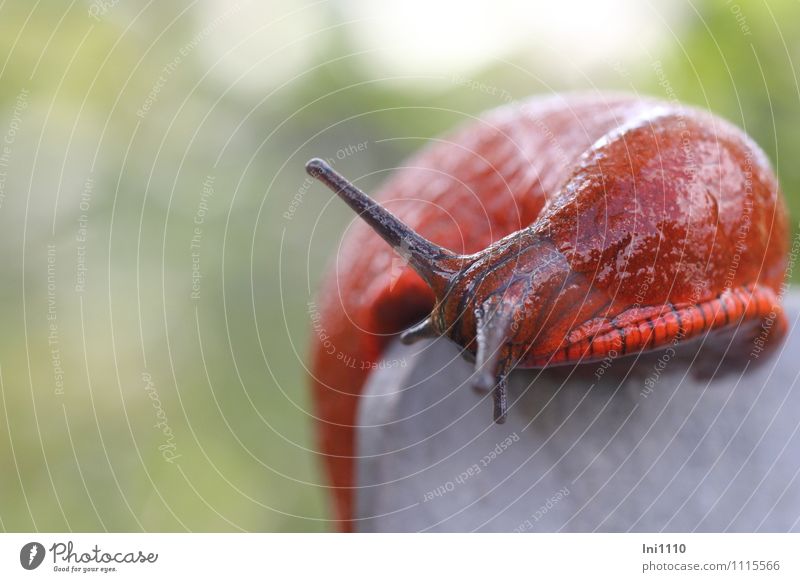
(556, 231)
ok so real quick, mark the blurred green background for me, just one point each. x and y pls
(159, 245)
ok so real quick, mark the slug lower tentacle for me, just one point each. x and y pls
(561, 231)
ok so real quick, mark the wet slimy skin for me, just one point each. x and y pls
(559, 231)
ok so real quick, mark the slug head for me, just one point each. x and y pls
(483, 301)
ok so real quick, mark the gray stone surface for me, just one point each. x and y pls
(586, 451)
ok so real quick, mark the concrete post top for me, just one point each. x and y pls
(680, 440)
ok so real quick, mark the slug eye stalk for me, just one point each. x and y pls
(438, 267)
(433, 263)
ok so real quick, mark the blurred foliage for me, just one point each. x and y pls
(227, 367)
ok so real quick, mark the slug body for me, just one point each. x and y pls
(559, 231)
